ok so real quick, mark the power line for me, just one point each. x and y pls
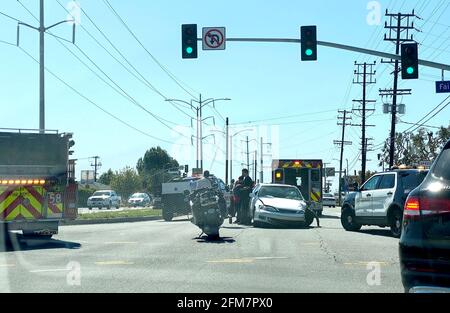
(172, 76)
(95, 104)
(141, 77)
(134, 101)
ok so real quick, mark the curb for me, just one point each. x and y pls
(110, 220)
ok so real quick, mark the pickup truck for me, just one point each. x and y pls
(104, 199)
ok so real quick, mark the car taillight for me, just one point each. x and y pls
(430, 206)
(412, 208)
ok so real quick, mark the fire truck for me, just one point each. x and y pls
(37, 182)
(306, 175)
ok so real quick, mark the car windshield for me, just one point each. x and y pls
(138, 195)
(101, 193)
(280, 192)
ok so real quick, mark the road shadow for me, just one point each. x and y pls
(219, 240)
(270, 226)
(234, 227)
(17, 242)
(377, 232)
(176, 220)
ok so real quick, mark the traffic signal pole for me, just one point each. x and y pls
(381, 54)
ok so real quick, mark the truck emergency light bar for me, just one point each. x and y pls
(22, 182)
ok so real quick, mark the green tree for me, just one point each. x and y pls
(411, 149)
(106, 177)
(153, 167)
(126, 182)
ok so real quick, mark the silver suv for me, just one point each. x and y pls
(380, 200)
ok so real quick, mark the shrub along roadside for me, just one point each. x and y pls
(120, 214)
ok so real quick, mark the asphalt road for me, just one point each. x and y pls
(160, 256)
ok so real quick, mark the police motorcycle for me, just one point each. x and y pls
(208, 210)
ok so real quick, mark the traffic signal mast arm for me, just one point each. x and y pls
(381, 54)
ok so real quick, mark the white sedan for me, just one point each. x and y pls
(329, 200)
(279, 205)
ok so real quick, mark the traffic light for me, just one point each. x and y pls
(279, 176)
(186, 168)
(189, 41)
(309, 43)
(410, 61)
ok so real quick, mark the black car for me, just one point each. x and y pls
(425, 241)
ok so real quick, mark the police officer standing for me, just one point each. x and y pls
(247, 186)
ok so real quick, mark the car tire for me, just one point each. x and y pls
(395, 221)
(90, 208)
(309, 218)
(348, 220)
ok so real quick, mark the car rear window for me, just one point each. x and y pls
(411, 180)
(442, 166)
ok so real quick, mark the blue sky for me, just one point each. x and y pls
(264, 81)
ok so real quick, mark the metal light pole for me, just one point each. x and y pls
(42, 30)
(199, 108)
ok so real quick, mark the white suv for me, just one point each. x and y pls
(380, 200)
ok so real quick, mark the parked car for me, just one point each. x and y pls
(425, 241)
(279, 205)
(329, 200)
(380, 200)
(139, 199)
(104, 199)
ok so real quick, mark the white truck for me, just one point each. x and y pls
(104, 199)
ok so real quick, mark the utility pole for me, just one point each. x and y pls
(345, 118)
(96, 166)
(227, 139)
(256, 164)
(42, 30)
(261, 173)
(402, 35)
(42, 70)
(364, 76)
(248, 154)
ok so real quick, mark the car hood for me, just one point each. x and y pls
(99, 197)
(281, 203)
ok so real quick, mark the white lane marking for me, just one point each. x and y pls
(7, 265)
(246, 260)
(102, 263)
(50, 270)
(121, 243)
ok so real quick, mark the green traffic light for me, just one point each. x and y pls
(309, 52)
(410, 70)
(189, 50)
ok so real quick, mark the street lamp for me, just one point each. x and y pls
(200, 120)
